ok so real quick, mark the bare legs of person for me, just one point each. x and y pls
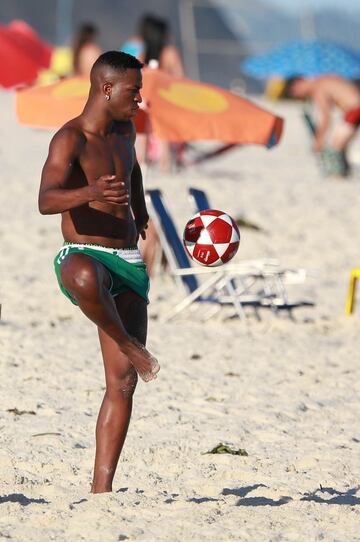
(121, 379)
(88, 281)
(342, 136)
(84, 277)
(333, 157)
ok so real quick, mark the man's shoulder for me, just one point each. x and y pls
(70, 134)
(72, 129)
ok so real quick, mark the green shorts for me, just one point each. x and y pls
(125, 265)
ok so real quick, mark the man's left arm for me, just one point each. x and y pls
(138, 204)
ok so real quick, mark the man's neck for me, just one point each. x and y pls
(96, 120)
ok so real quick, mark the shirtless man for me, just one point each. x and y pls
(92, 177)
(326, 92)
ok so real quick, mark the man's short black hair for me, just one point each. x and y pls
(118, 60)
(286, 93)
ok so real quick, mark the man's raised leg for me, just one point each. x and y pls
(88, 281)
(121, 379)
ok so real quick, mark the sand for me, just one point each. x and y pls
(285, 390)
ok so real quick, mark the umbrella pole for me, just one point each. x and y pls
(212, 154)
(64, 15)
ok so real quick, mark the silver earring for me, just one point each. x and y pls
(107, 97)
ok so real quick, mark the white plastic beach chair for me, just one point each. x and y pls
(248, 283)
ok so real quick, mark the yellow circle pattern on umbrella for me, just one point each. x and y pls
(195, 98)
(74, 88)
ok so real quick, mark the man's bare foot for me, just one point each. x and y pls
(145, 364)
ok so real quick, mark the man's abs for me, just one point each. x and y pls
(101, 224)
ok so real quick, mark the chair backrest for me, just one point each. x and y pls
(309, 121)
(172, 245)
(200, 199)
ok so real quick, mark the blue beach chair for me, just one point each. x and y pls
(239, 285)
(216, 288)
(199, 198)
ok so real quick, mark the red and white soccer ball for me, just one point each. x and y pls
(211, 237)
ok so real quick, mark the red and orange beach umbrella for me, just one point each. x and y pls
(179, 110)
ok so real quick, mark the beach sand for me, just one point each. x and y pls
(286, 390)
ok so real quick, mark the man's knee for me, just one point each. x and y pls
(122, 386)
(80, 276)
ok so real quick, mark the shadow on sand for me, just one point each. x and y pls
(263, 501)
(336, 497)
(21, 499)
(241, 491)
(200, 500)
(322, 495)
(254, 501)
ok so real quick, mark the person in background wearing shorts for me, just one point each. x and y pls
(91, 176)
(327, 92)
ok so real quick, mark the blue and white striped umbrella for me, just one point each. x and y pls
(306, 58)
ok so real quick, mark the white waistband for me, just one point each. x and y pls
(131, 255)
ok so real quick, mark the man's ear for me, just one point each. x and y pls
(107, 90)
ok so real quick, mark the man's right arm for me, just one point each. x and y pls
(54, 197)
(64, 149)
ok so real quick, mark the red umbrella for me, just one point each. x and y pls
(22, 55)
(26, 37)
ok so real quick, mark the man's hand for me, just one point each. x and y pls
(141, 225)
(107, 190)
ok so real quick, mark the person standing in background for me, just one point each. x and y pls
(152, 45)
(158, 51)
(155, 33)
(85, 49)
(152, 42)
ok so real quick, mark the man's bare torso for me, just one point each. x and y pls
(344, 94)
(96, 222)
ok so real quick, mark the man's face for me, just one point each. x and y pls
(125, 94)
